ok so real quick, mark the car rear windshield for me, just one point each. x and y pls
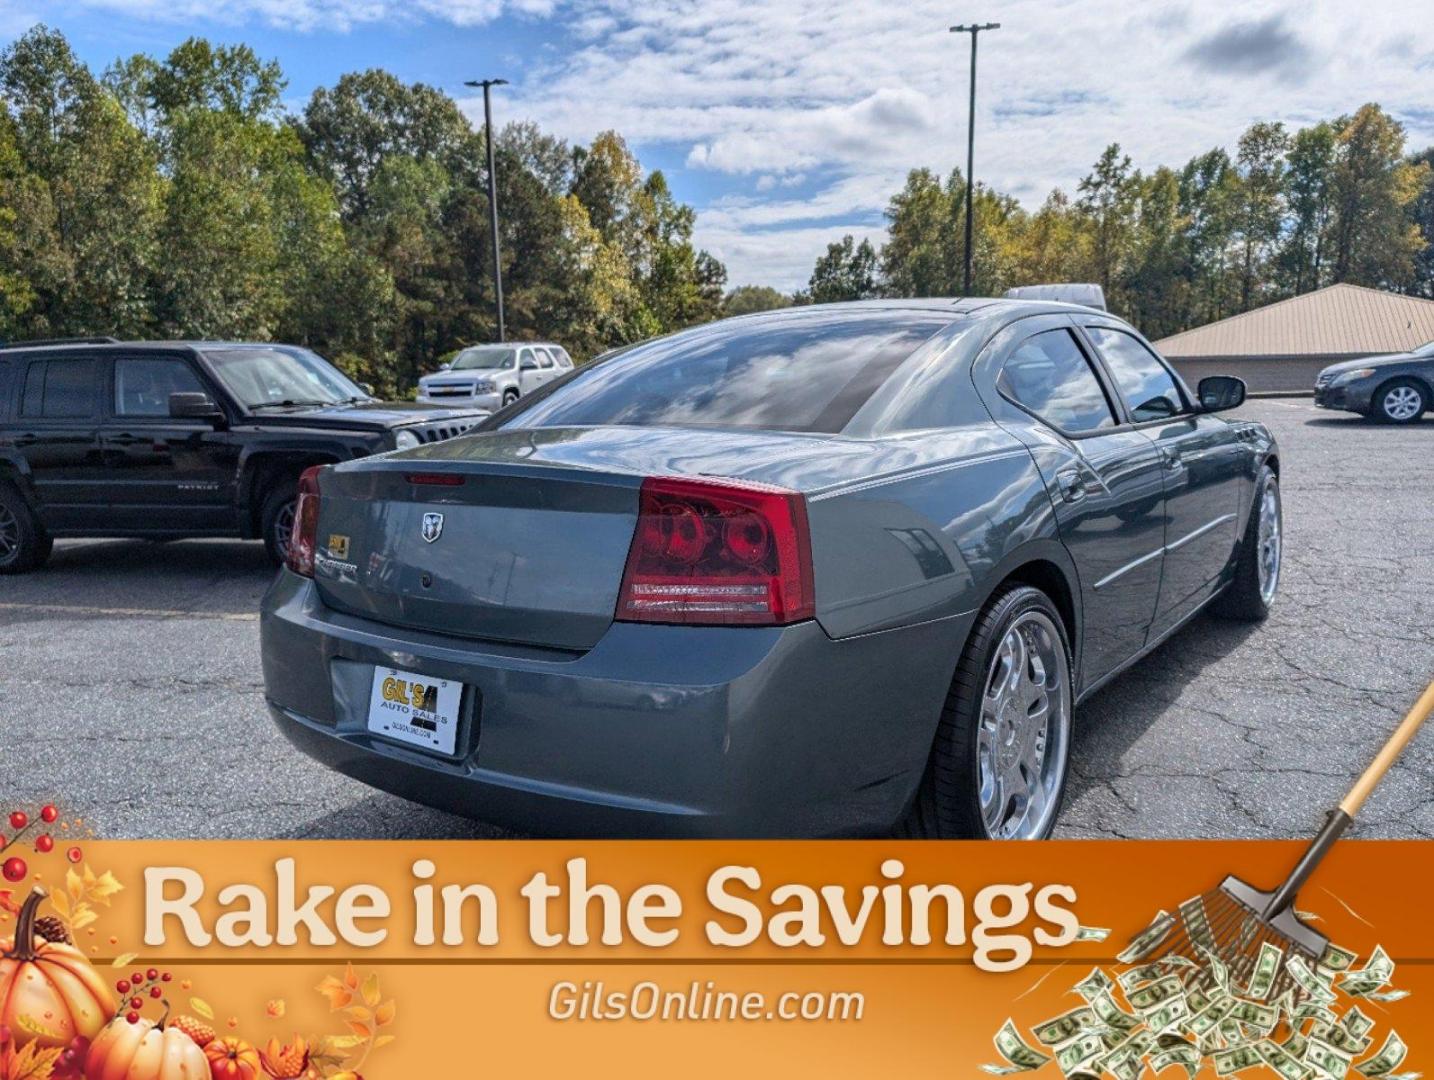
(798, 371)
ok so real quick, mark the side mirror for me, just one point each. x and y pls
(447, 365)
(194, 406)
(367, 388)
(1221, 392)
(529, 365)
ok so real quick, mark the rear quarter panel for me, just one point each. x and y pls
(932, 541)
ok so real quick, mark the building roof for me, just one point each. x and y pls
(1338, 320)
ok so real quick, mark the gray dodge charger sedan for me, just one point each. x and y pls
(829, 570)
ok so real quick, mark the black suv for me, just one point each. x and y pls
(100, 438)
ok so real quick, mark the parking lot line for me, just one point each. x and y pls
(129, 613)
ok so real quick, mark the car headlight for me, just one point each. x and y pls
(405, 440)
(1355, 375)
(484, 386)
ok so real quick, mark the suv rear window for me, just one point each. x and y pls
(60, 389)
(799, 371)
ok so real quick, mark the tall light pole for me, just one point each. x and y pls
(974, 30)
(487, 85)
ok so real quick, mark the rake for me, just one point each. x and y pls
(1235, 921)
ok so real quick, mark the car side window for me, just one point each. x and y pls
(545, 359)
(526, 361)
(60, 389)
(1049, 375)
(143, 386)
(1148, 388)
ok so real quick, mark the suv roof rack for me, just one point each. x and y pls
(59, 341)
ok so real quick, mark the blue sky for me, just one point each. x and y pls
(789, 122)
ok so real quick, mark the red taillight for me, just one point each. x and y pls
(434, 479)
(718, 552)
(304, 538)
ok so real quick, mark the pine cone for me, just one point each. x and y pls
(52, 929)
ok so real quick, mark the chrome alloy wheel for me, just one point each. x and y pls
(9, 536)
(1024, 734)
(1269, 537)
(284, 528)
(1403, 403)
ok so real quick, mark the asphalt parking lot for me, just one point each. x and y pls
(131, 687)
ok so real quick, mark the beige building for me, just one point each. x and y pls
(1283, 345)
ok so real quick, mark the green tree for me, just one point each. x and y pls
(1108, 199)
(1309, 167)
(1259, 214)
(1422, 211)
(87, 197)
(749, 299)
(1372, 189)
(848, 271)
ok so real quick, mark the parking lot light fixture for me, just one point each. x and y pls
(974, 29)
(487, 85)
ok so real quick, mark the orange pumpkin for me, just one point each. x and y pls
(232, 1059)
(49, 994)
(144, 1051)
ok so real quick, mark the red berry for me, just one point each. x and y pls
(166, 977)
(48, 813)
(152, 974)
(74, 854)
(3, 841)
(132, 1017)
(137, 978)
(44, 844)
(15, 869)
(155, 991)
(19, 819)
(136, 1003)
(122, 986)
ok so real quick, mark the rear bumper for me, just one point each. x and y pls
(657, 730)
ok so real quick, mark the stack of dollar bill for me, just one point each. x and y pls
(1193, 1012)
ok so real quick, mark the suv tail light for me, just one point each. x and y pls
(716, 553)
(303, 540)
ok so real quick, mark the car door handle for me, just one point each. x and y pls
(123, 440)
(1072, 485)
(1173, 462)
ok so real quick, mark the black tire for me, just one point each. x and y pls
(947, 804)
(24, 543)
(509, 396)
(1246, 597)
(1400, 401)
(277, 508)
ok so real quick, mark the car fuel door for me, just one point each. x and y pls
(1104, 479)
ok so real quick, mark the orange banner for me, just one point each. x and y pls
(807, 955)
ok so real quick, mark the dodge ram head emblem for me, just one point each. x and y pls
(432, 527)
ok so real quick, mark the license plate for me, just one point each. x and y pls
(415, 709)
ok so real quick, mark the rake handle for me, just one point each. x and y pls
(1342, 818)
(1386, 757)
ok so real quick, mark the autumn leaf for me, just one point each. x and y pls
(363, 1031)
(123, 960)
(384, 1014)
(359, 1013)
(351, 979)
(276, 1008)
(202, 1007)
(61, 903)
(383, 1040)
(103, 888)
(33, 1063)
(371, 993)
(338, 994)
(84, 915)
(7, 902)
(334, 1043)
(74, 885)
